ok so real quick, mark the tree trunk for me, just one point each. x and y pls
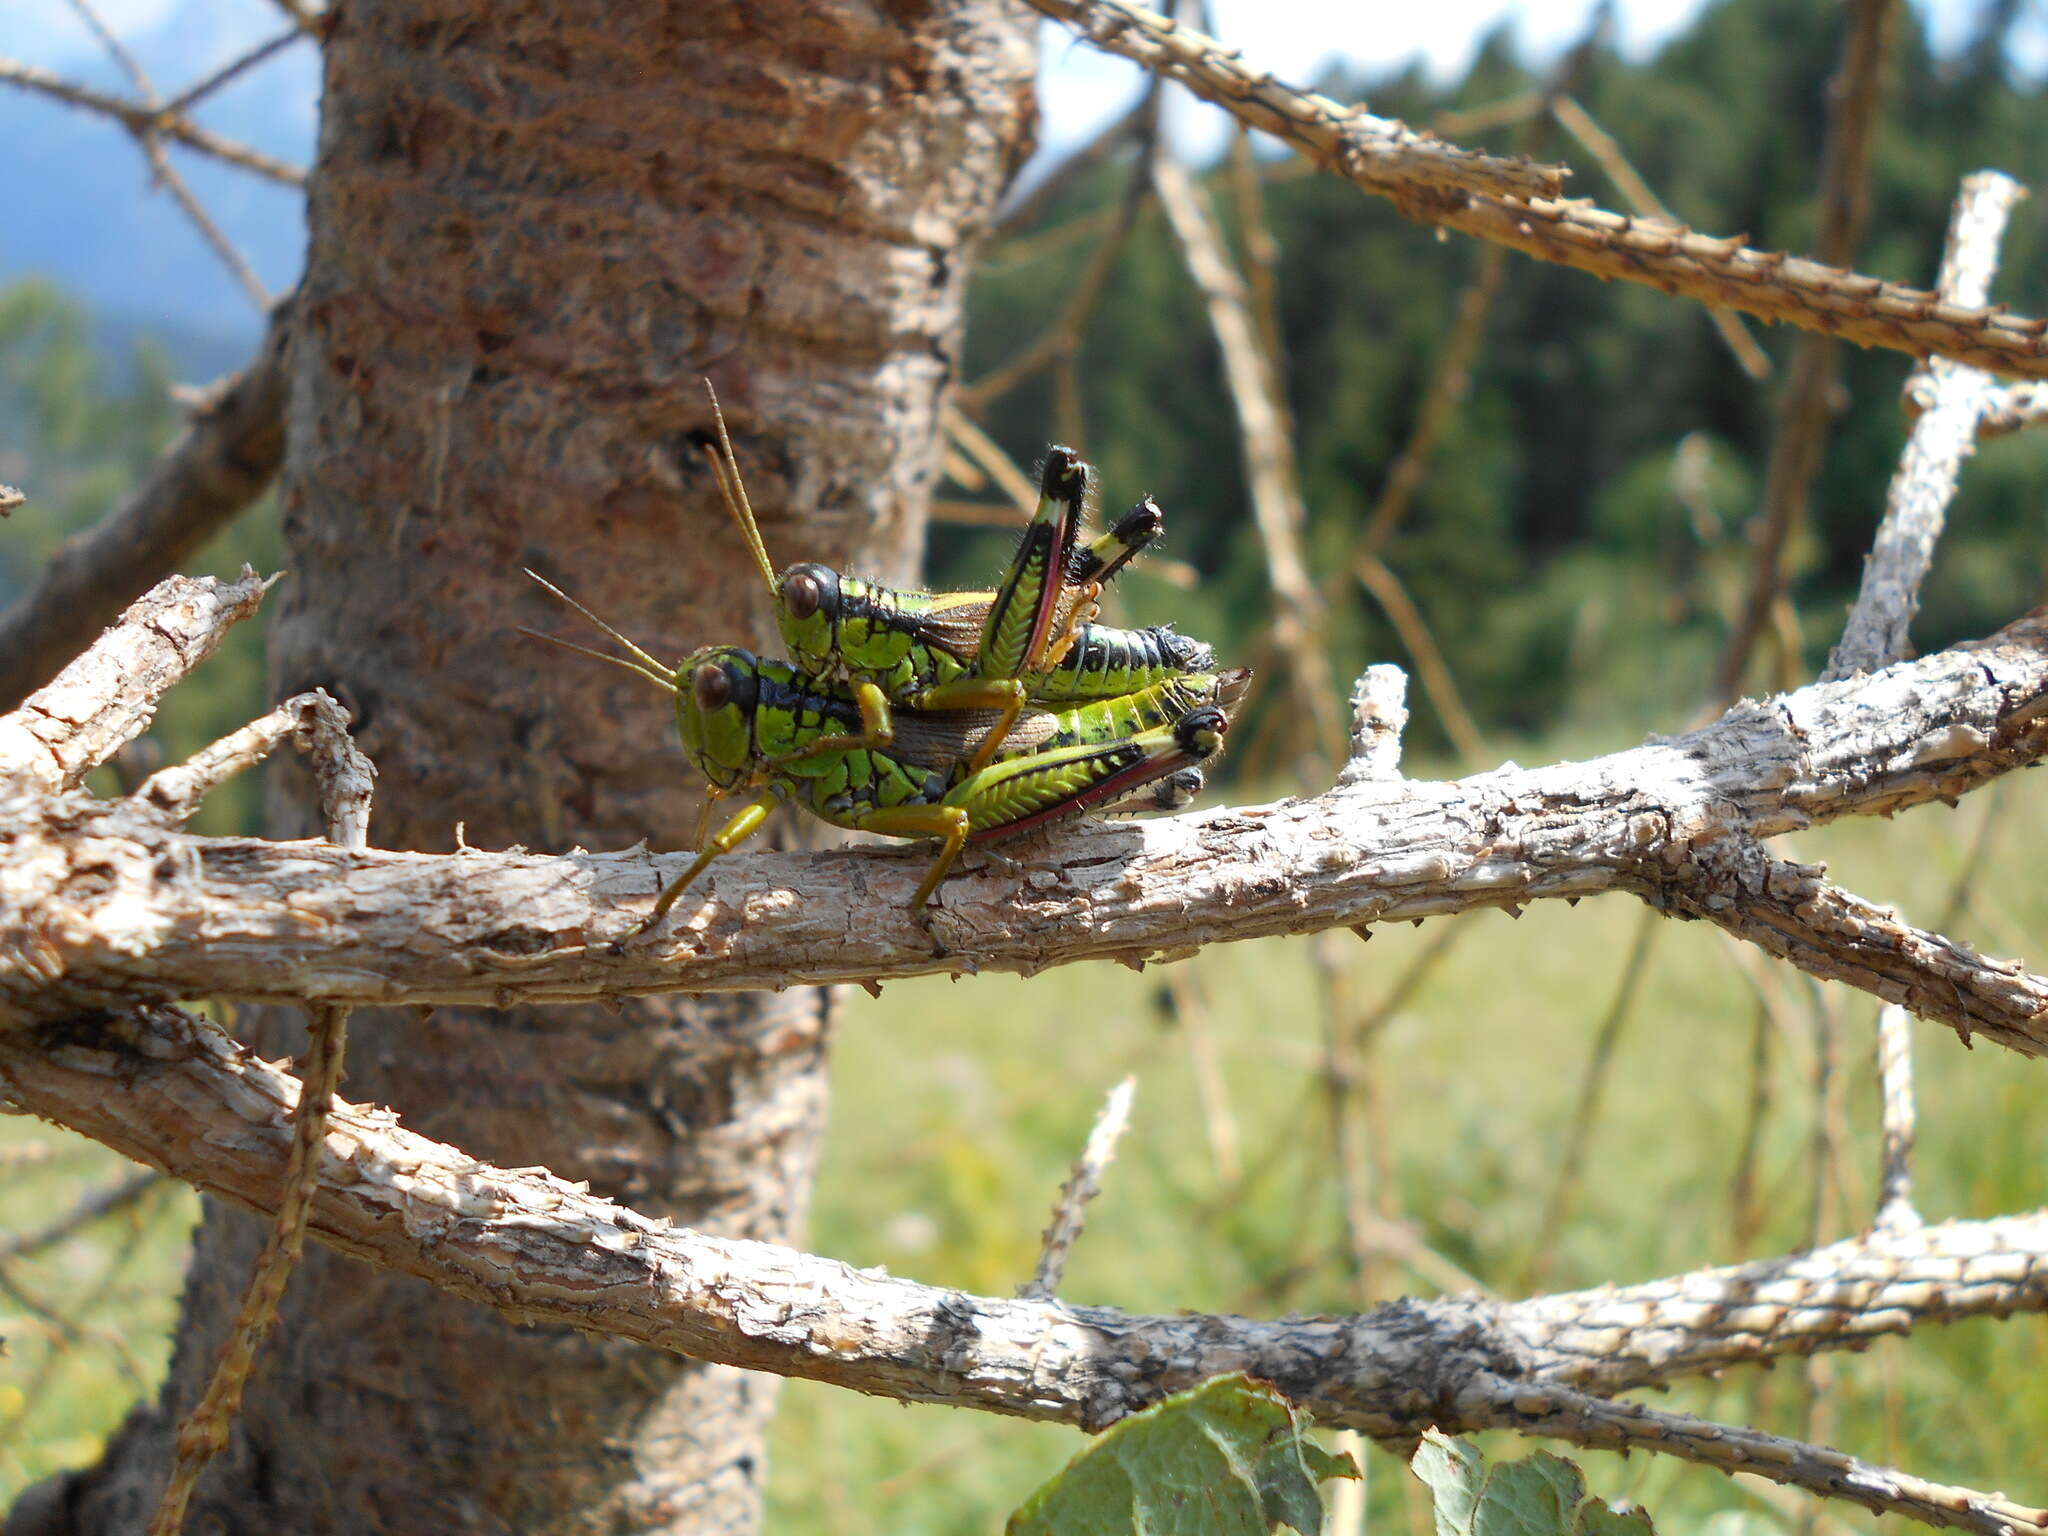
(533, 227)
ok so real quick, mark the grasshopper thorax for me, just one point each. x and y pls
(717, 690)
(808, 600)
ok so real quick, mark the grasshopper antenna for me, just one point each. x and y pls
(642, 664)
(725, 465)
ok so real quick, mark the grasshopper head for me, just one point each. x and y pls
(807, 602)
(716, 691)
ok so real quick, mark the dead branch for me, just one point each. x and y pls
(539, 1249)
(1375, 151)
(108, 696)
(97, 1206)
(103, 906)
(2011, 408)
(1642, 200)
(1070, 1214)
(140, 119)
(1300, 620)
(1952, 399)
(1716, 272)
(1807, 407)
(319, 727)
(226, 458)
(1585, 1420)
(164, 174)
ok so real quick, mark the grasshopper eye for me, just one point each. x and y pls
(801, 592)
(712, 688)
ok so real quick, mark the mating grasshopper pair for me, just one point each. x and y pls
(904, 713)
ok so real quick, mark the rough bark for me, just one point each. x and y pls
(102, 906)
(545, 1251)
(531, 233)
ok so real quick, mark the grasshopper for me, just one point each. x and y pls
(758, 724)
(1032, 641)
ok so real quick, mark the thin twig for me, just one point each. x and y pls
(96, 1206)
(1446, 392)
(1823, 1145)
(139, 119)
(226, 458)
(984, 451)
(1951, 399)
(2011, 408)
(1219, 1119)
(150, 140)
(1713, 271)
(345, 777)
(1747, 1208)
(1895, 1088)
(1582, 1419)
(1299, 613)
(1070, 1214)
(193, 94)
(1807, 405)
(1608, 154)
(1375, 150)
(1592, 1084)
(1063, 335)
(1387, 590)
(1028, 207)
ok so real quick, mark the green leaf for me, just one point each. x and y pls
(1228, 1458)
(1540, 1495)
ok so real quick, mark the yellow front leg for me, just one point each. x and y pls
(743, 826)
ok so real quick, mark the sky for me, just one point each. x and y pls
(82, 210)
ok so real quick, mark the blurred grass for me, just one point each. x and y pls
(959, 1106)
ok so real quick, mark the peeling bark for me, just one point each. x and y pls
(99, 908)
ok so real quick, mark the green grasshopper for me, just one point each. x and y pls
(758, 724)
(1032, 641)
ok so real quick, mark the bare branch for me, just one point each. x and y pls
(1085, 1183)
(1379, 152)
(1299, 614)
(1952, 398)
(203, 1433)
(102, 907)
(234, 69)
(226, 458)
(1716, 272)
(107, 697)
(1581, 1419)
(2011, 408)
(1388, 590)
(1379, 715)
(539, 1249)
(140, 119)
(320, 729)
(1642, 200)
(97, 1206)
(1895, 1092)
(1807, 407)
